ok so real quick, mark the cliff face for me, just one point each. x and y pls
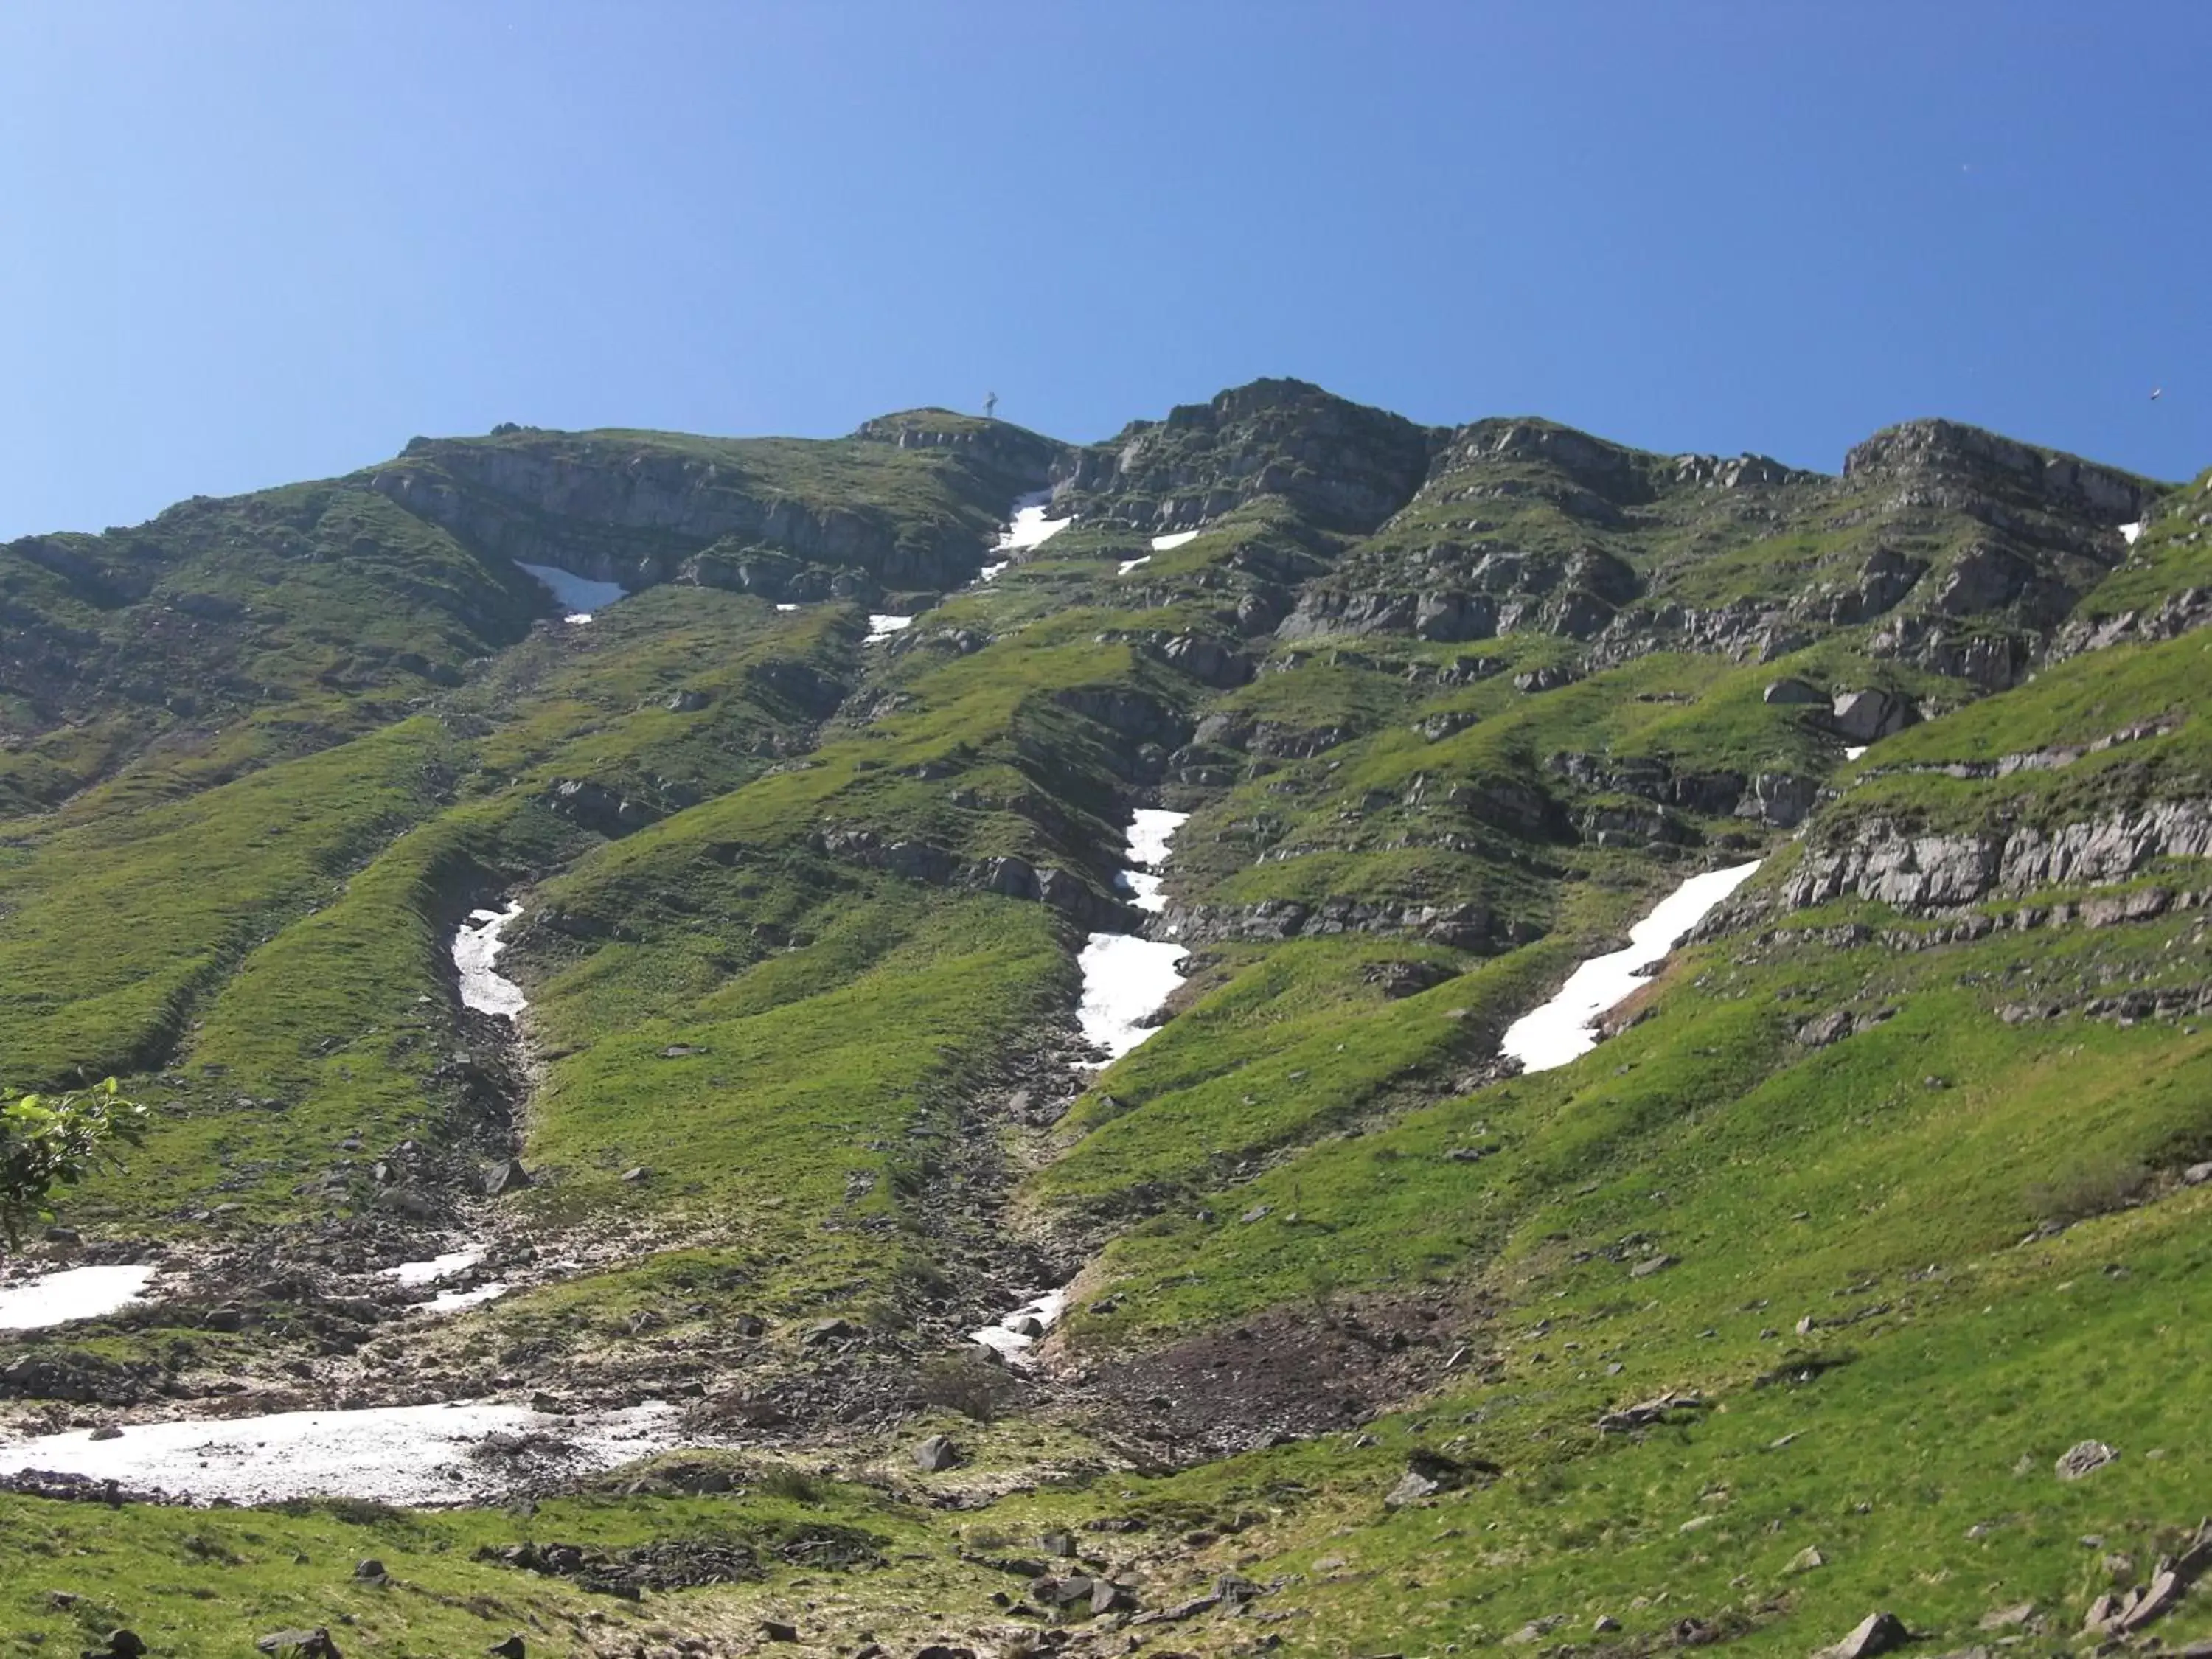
(905, 503)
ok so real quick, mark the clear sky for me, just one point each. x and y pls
(255, 242)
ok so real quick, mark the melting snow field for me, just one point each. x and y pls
(1128, 565)
(1021, 1329)
(1028, 526)
(881, 627)
(73, 1293)
(411, 1273)
(475, 950)
(1149, 836)
(448, 1302)
(1172, 540)
(1125, 978)
(1561, 1030)
(579, 594)
(1855, 751)
(2130, 531)
(394, 1455)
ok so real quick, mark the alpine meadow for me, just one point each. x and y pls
(1292, 1032)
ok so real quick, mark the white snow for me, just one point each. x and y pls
(1150, 832)
(1027, 525)
(786, 607)
(990, 572)
(1561, 1030)
(1046, 1310)
(579, 594)
(881, 627)
(1172, 540)
(1128, 565)
(1125, 979)
(2130, 531)
(411, 1273)
(1855, 751)
(414, 1454)
(454, 1300)
(73, 1293)
(475, 950)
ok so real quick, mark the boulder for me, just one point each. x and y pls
(2084, 1458)
(1878, 1632)
(1411, 1488)
(508, 1177)
(511, 1648)
(1869, 715)
(936, 1455)
(1794, 691)
(314, 1644)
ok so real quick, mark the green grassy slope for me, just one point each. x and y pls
(1896, 1198)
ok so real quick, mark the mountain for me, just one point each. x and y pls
(846, 898)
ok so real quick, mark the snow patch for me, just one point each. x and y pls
(881, 627)
(1125, 980)
(2130, 531)
(1561, 1030)
(413, 1455)
(579, 594)
(448, 1302)
(1027, 525)
(1128, 565)
(991, 572)
(1854, 752)
(475, 950)
(786, 607)
(73, 1293)
(411, 1273)
(1172, 540)
(1150, 832)
(1002, 1338)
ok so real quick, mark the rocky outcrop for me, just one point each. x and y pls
(1891, 864)
(918, 860)
(2179, 613)
(629, 512)
(1463, 926)
(1342, 464)
(598, 808)
(1946, 454)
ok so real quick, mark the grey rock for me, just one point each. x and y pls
(1794, 691)
(1412, 1486)
(1878, 1632)
(2084, 1458)
(936, 1453)
(508, 1177)
(1868, 716)
(314, 1644)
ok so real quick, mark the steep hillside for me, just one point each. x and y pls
(976, 1050)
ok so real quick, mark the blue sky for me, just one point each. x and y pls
(248, 243)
